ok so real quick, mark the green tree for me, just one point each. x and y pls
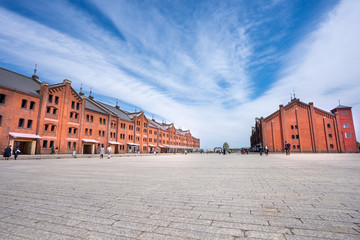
(226, 146)
(358, 143)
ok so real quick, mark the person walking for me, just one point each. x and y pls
(102, 151)
(287, 148)
(52, 150)
(109, 152)
(16, 152)
(266, 150)
(7, 152)
(74, 153)
(261, 150)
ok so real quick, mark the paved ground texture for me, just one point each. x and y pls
(303, 196)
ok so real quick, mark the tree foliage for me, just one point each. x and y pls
(226, 146)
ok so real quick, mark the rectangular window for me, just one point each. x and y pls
(347, 135)
(296, 126)
(297, 136)
(298, 146)
(331, 146)
(45, 142)
(32, 105)
(292, 126)
(293, 136)
(346, 125)
(104, 121)
(2, 98)
(48, 109)
(87, 118)
(103, 133)
(0, 119)
(56, 100)
(21, 123)
(330, 135)
(76, 115)
(75, 130)
(72, 105)
(87, 131)
(50, 98)
(77, 106)
(294, 147)
(74, 145)
(344, 112)
(99, 133)
(91, 118)
(69, 130)
(53, 128)
(71, 115)
(46, 127)
(90, 132)
(23, 103)
(29, 125)
(328, 125)
(54, 111)
(100, 120)
(51, 144)
(69, 145)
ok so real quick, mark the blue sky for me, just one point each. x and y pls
(207, 66)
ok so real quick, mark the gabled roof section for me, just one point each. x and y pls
(339, 107)
(63, 85)
(93, 106)
(19, 82)
(157, 125)
(122, 114)
(181, 132)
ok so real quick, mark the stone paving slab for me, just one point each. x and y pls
(194, 196)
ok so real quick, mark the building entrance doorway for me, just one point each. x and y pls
(24, 146)
(87, 149)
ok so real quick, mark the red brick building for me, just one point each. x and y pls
(306, 128)
(36, 116)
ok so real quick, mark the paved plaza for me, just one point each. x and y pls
(194, 196)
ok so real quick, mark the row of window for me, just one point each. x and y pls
(51, 110)
(73, 105)
(49, 127)
(51, 98)
(112, 135)
(102, 121)
(113, 125)
(73, 145)
(72, 130)
(22, 123)
(74, 115)
(24, 104)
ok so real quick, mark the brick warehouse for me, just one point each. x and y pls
(35, 116)
(306, 128)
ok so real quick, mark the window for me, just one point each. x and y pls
(56, 100)
(296, 126)
(46, 127)
(155, 132)
(48, 109)
(72, 105)
(298, 146)
(150, 131)
(23, 103)
(87, 131)
(145, 130)
(77, 106)
(21, 123)
(138, 129)
(70, 130)
(69, 145)
(144, 148)
(99, 133)
(123, 125)
(50, 98)
(104, 121)
(294, 147)
(71, 115)
(150, 139)
(51, 144)
(292, 126)
(346, 125)
(91, 118)
(137, 139)
(74, 145)
(293, 136)
(45, 142)
(297, 136)
(347, 135)
(144, 139)
(54, 111)
(328, 125)
(331, 146)
(103, 133)
(75, 130)
(154, 140)
(0, 119)
(53, 128)
(76, 115)
(330, 135)
(87, 118)
(32, 105)
(344, 112)
(131, 127)
(100, 120)
(29, 125)
(90, 132)
(2, 98)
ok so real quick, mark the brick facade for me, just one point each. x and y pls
(35, 116)
(306, 128)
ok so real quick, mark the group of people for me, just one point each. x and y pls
(266, 149)
(7, 152)
(102, 152)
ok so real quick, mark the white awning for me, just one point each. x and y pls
(90, 141)
(24, 135)
(152, 145)
(162, 146)
(115, 143)
(132, 144)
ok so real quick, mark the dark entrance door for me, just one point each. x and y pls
(87, 149)
(24, 147)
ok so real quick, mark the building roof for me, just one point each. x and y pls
(19, 82)
(119, 112)
(340, 106)
(90, 105)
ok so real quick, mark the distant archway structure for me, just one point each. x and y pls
(218, 148)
